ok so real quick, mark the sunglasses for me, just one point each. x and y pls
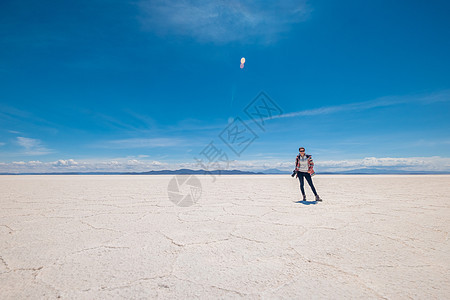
(302, 150)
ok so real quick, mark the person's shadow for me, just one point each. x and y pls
(306, 202)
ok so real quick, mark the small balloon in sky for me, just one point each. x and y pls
(242, 62)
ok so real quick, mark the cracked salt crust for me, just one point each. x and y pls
(103, 237)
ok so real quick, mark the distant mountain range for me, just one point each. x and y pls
(232, 172)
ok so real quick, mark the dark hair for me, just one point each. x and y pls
(301, 148)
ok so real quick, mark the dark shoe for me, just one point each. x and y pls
(304, 198)
(318, 198)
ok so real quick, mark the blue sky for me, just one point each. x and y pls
(147, 85)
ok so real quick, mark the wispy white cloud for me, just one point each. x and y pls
(405, 164)
(136, 123)
(65, 163)
(2, 144)
(442, 96)
(12, 116)
(71, 165)
(425, 164)
(133, 143)
(32, 146)
(223, 21)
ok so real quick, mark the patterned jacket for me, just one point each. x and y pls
(310, 164)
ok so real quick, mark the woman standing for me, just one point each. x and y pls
(304, 169)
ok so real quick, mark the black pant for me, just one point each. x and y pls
(300, 176)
